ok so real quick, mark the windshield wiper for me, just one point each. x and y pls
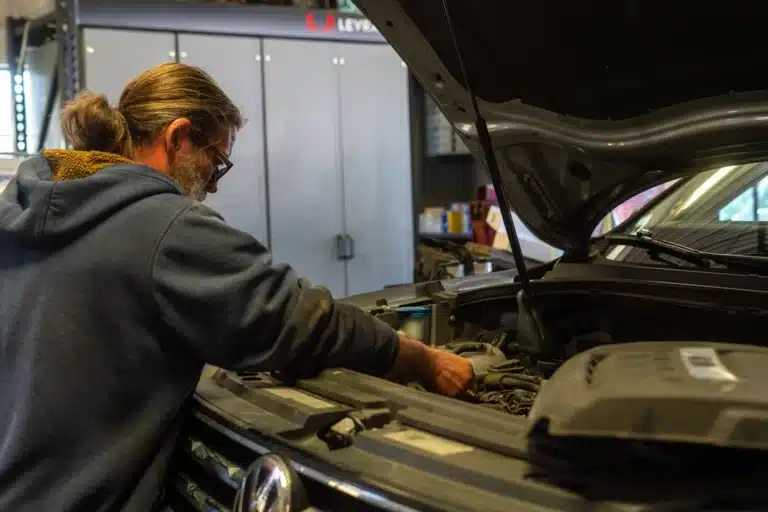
(658, 248)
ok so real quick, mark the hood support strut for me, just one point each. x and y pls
(484, 138)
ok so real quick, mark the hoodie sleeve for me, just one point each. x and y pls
(217, 289)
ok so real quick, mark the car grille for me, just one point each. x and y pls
(206, 470)
(210, 464)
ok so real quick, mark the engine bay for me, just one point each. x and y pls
(657, 367)
(591, 392)
(579, 387)
(516, 343)
(508, 384)
(505, 378)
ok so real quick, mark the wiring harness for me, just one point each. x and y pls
(510, 387)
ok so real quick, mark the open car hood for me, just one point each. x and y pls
(590, 102)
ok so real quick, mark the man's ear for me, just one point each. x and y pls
(177, 134)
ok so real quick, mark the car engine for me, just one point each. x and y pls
(606, 390)
(505, 383)
(506, 378)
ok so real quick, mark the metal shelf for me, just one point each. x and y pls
(32, 33)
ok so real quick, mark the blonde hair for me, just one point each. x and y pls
(149, 103)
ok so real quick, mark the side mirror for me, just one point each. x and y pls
(271, 485)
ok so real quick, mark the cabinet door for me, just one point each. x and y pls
(305, 200)
(376, 163)
(241, 198)
(114, 57)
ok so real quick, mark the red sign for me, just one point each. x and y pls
(330, 22)
(339, 24)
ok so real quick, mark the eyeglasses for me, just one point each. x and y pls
(221, 162)
(221, 166)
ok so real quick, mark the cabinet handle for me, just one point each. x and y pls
(350, 247)
(345, 247)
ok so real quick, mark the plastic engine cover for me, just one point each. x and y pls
(662, 391)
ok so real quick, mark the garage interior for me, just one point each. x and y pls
(345, 169)
(623, 376)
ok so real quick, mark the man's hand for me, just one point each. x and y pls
(437, 370)
(450, 374)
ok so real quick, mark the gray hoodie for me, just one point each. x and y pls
(115, 289)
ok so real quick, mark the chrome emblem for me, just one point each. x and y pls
(269, 485)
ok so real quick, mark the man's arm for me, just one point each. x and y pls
(217, 288)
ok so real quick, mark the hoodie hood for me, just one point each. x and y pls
(58, 195)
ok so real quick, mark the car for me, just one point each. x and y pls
(625, 375)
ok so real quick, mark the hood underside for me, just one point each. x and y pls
(590, 102)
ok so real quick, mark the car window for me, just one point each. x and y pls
(626, 209)
(537, 250)
(749, 206)
(723, 210)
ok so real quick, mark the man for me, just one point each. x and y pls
(118, 285)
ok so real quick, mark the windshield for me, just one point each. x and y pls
(724, 210)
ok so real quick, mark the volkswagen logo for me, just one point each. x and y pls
(270, 485)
